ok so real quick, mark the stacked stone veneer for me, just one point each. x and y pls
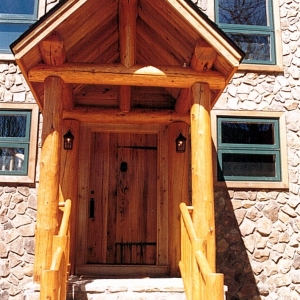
(258, 230)
(17, 202)
(17, 221)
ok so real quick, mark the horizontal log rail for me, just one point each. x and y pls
(117, 74)
(200, 282)
(54, 281)
(115, 116)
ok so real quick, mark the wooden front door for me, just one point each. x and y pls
(122, 221)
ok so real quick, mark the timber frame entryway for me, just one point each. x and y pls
(122, 72)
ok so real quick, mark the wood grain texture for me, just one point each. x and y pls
(139, 75)
(69, 171)
(202, 170)
(48, 190)
(179, 169)
(53, 49)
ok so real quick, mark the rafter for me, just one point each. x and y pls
(139, 75)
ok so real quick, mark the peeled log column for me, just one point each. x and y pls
(202, 169)
(48, 190)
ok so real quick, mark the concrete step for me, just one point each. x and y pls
(126, 289)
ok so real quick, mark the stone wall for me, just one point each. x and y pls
(17, 202)
(17, 227)
(258, 230)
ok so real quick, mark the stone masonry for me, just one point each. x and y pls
(17, 202)
(258, 230)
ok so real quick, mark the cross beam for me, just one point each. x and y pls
(117, 74)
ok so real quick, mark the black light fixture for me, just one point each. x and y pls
(180, 143)
(68, 140)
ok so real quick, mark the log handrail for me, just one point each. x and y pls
(200, 282)
(54, 280)
(66, 207)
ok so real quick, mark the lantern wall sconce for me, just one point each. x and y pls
(180, 143)
(68, 140)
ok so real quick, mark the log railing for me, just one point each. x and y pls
(54, 280)
(200, 282)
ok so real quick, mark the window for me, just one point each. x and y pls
(18, 133)
(250, 149)
(250, 24)
(15, 17)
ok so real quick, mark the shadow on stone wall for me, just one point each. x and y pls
(232, 258)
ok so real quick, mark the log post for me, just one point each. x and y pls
(48, 190)
(202, 169)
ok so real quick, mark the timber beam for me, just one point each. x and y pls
(202, 60)
(127, 28)
(117, 74)
(114, 116)
(52, 49)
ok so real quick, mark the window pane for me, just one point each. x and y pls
(12, 159)
(249, 165)
(13, 125)
(257, 47)
(242, 132)
(9, 33)
(17, 7)
(244, 12)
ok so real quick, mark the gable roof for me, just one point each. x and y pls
(158, 47)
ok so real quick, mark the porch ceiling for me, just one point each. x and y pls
(127, 54)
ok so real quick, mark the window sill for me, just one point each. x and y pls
(9, 57)
(17, 179)
(260, 68)
(251, 185)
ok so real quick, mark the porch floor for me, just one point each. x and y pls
(84, 288)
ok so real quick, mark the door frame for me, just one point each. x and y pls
(162, 261)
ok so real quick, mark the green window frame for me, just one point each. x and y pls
(250, 23)
(14, 141)
(248, 149)
(15, 18)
